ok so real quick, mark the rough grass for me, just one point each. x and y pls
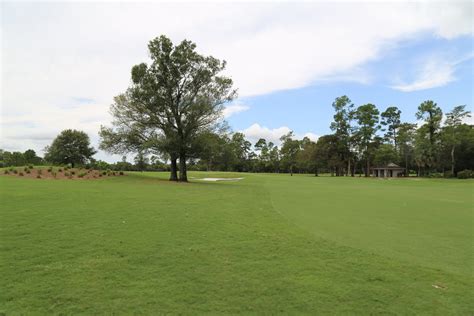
(266, 244)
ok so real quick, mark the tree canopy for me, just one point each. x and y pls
(70, 147)
(171, 101)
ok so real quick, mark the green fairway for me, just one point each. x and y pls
(265, 244)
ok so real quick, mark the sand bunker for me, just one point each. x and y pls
(220, 179)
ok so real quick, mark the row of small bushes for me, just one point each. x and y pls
(66, 172)
(465, 174)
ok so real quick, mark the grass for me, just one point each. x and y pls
(266, 244)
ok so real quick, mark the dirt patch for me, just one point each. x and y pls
(59, 173)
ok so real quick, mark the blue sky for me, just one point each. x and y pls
(309, 109)
(62, 63)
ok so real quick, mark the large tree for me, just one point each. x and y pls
(451, 133)
(179, 95)
(367, 117)
(70, 147)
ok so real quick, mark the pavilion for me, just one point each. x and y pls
(390, 170)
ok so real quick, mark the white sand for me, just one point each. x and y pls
(220, 179)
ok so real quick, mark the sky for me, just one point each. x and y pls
(63, 62)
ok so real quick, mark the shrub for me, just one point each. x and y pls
(54, 173)
(21, 174)
(27, 171)
(448, 174)
(38, 177)
(30, 166)
(465, 174)
(81, 175)
(50, 169)
(88, 167)
(15, 171)
(60, 170)
(73, 172)
(6, 172)
(66, 174)
(121, 173)
(11, 169)
(100, 174)
(104, 173)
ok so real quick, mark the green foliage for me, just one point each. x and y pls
(6, 171)
(390, 119)
(21, 174)
(70, 147)
(170, 103)
(465, 174)
(82, 174)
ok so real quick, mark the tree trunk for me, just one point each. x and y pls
(72, 164)
(348, 167)
(367, 171)
(291, 170)
(452, 161)
(406, 166)
(183, 175)
(173, 169)
(316, 172)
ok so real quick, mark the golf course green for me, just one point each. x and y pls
(268, 243)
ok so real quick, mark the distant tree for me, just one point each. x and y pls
(141, 161)
(325, 154)
(390, 119)
(385, 154)
(70, 147)
(452, 128)
(241, 149)
(342, 129)
(31, 157)
(432, 115)
(367, 117)
(306, 156)
(405, 141)
(289, 150)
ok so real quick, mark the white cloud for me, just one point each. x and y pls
(436, 71)
(54, 52)
(234, 109)
(254, 132)
(311, 136)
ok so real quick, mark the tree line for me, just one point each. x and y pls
(361, 137)
(170, 117)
